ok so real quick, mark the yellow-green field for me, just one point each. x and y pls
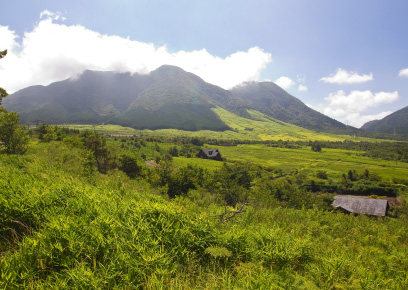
(260, 128)
(334, 161)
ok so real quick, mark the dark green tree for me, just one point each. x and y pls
(13, 135)
(3, 92)
(103, 156)
(316, 147)
(129, 165)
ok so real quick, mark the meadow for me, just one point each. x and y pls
(65, 225)
(260, 128)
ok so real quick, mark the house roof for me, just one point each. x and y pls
(211, 152)
(355, 204)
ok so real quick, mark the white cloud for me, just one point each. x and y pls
(302, 88)
(284, 82)
(403, 72)
(349, 108)
(46, 14)
(53, 52)
(344, 77)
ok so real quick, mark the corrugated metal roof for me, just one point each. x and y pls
(211, 152)
(355, 204)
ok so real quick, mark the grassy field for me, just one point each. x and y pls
(334, 161)
(61, 229)
(260, 128)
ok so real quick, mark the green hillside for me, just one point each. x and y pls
(275, 102)
(395, 123)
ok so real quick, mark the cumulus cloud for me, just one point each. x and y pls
(344, 77)
(302, 88)
(403, 72)
(284, 82)
(349, 108)
(53, 51)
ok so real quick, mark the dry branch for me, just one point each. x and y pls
(224, 219)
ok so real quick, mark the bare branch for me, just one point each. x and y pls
(224, 219)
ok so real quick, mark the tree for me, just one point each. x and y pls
(3, 92)
(13, 135)
(129, 165)
(3, 53)
(316, 147)
(46, 133)
(103, 156)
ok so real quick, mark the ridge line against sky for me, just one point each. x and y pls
(354, 70)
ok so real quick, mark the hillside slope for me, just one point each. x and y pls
(275, 102)
(395, 123)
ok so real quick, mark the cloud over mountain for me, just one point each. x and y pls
(284, 82)
(350, 108)
(53, 51)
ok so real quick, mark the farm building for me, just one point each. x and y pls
(209, 154)
(364, 205)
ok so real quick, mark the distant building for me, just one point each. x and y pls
(361, 205)
(121, 135)
(209, 154)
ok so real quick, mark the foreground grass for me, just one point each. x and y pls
(63, 230)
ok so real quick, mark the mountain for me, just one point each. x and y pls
(395, 123)
(168, 97)
(275, 102)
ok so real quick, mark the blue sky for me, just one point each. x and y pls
(347, 59)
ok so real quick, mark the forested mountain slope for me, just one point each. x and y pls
(396, 123)
(275, 102)
(168, 97)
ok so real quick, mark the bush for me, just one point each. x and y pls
(321, 174)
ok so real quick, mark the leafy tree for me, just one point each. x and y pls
(3, 53)
(88, 165)
(316, 147)
(46, 133)
(233, 182)
(173, 151)
(103, 156)
(129, 165)
(3, 92)
(13, 135)
(181, 181)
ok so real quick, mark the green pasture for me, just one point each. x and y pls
(334, 161)
(259, 128)
(204, 163)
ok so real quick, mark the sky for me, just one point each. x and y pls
(345, 58)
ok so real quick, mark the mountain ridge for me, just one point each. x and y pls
(168, 97)
(395, 123)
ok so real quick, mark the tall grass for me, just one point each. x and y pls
(60, 230)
